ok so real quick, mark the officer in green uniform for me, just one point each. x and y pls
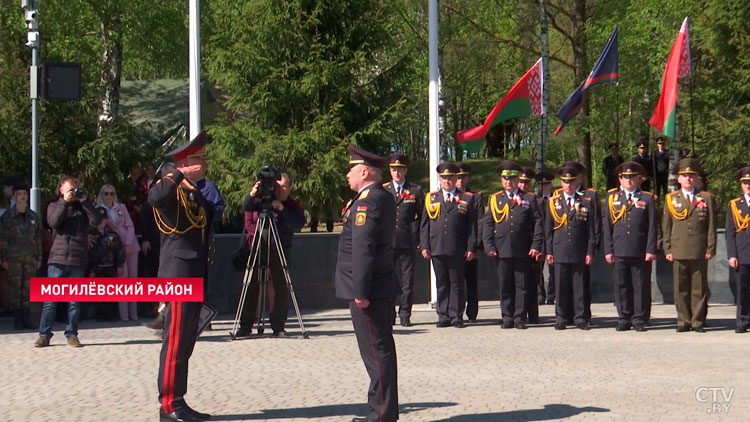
(689, 240)
(20, 253)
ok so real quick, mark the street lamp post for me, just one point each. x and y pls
(31, 14)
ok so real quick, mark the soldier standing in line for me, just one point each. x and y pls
(513, 235)
(609, 164)
(448, 237)
(20, 253)
(471, 274)
(409, 204)
(570, 246)
(183, 217)
(642, 158)
(738, 247)
(630, 231)
(661, 167)
(689, 238)
(365, 276)
(544, 182)
(535, 293)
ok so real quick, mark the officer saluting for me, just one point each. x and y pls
(512, 231)
(630, 230)
(366, 278)
(448, 236)
(409, 205)
(570, 244)
(182, 216)
(738, 247)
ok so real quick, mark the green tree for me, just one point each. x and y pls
(304, 78)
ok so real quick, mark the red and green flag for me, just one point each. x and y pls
(665, 115)
(524, 99)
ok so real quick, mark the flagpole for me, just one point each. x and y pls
(692, 116)
(434, 139)
(617, 114)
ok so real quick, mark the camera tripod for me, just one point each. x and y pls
(256, 263)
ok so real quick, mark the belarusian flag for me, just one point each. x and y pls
(524, 99)
(665, 115)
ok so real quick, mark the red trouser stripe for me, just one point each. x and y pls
(377, 365)
(171, 359)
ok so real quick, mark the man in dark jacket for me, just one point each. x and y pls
(71, 217)
(738, 247)
(365, 277)
(290, 218)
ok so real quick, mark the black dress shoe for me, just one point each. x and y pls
(640, 327)
(359, 419)
(508, 324)
(623, 326)
(583, 326)
(550, 301)
(683, 329)
(473, 320)
(458, 324)
(178, 416)
(699, 330)
(243, 332)
(521, 325)
(560, 326)
(405, 322)
(279, 333)
(200, 415)
(740, 330)
(443, 324)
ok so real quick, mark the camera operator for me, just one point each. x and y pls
(289, 217)
(70, 217)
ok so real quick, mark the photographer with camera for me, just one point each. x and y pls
(271, 196)
(70, 217)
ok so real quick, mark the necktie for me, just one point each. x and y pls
(689, 197)
(398, 191)
(448, 197)
(570, 202)
(630, 196)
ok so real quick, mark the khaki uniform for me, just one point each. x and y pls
(21, 248)
(689, 231)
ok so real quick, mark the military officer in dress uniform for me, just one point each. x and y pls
(689, 239)
(642, 158)
(183, 217)
(570, 245)
(738, 247)
(512, 231)
(544, 184)
(596, 212)
(409, 204)
(471, 273)
(630, 229)
(365, 276)
(448, 236)
(535, 291)
(661, 167)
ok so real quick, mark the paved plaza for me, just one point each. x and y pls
(480, 373)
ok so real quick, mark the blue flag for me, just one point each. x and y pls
(605, 70)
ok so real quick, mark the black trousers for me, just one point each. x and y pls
(536, 293)
(374, 331)
(587, 291)
(471, 274)
(451, 296)
(631, 300)
(180, 333)
(661, 184)
(569, 285)
(403, 260)
(513, 275)
(280, 309)
(550, 282)
(743, 296)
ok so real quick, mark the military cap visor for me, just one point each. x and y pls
(509, 168)
(630, 168)
(527, 174)
(359, 156)
(398, 160)
(743, 174)
(196, 148)
(447, 169)
(463, 169)
(688, 166)
(568, 173)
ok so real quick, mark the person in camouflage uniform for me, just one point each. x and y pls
(20, 253)
(106, 259)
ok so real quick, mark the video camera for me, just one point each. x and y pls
(267, 177)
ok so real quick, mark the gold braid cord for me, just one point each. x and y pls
(676, 215)
(740, 222)
(615, 214)
(433, 210)
(561, 221)
(498, 214)
(196, 221)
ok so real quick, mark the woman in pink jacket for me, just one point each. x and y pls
(120, 222)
